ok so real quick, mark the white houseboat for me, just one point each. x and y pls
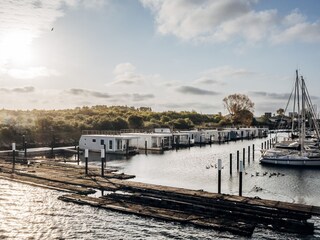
(182, 139)
(118, 144)
(152, 141)
(197, 136)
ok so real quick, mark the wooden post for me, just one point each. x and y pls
(200, 140)
(248, 154)
(105, 150)
(78, 154)
(243, 156)
(261, 145)
(265, 145)
(240, 179)
(103, 154)
(145, 146)
(189, 140)
(127, 147)
(86, 155)
(13, 156)
(230, 163)
(25, 149)
(237, 160)
(253, 152)
(219, 176)
(162, 144)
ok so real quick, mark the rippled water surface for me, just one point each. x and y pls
(28, 212)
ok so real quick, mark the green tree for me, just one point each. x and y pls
(135, 121)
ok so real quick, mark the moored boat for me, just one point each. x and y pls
(299, 152)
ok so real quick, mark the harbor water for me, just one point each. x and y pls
(28, 212)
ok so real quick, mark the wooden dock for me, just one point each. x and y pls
(239, 215)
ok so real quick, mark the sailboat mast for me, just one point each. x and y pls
(298, 100)
(303, 115)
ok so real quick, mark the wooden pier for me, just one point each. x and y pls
(236, 214)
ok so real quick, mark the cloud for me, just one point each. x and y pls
(194, 91)
(278, 96)
(220, 75)
(36, 16)
(125, 73)
(83, 92)
(141, 97)
(206, 80)
(229, 20)
(27, 89)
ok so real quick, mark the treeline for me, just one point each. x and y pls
(64, 127)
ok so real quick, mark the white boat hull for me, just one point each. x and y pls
(291, 161)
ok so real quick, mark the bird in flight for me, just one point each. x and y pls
(51, 29)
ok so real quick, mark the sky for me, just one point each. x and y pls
(164, 54)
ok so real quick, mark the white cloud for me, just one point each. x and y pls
(227, 20)
(221, 74)
(125, 73)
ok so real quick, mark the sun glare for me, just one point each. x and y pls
(15, 47)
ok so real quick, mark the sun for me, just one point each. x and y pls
(15, 47)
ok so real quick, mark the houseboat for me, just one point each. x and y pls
(117, 144)
(152, 141)
(181, 139)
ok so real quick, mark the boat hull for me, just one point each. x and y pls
(290, 161)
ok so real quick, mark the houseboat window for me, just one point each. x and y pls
(192, 136)
(118, 144)
(93, 140)
(101, 141)
(110, 144)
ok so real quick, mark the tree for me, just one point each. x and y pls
(280, 111)
(244, 117)
(239, 107)
(135, 121)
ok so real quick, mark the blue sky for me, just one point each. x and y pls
(166, 54)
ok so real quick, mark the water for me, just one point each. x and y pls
(28, 212)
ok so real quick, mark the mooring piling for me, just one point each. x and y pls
(145, 146)
(230, 163)
(248, 154)
(78, 155)
(13, 156)
(240, 178)
(237, 160)
(103, 154)
(86, 156)
(219, 175)
(243, 156)
(252, 152)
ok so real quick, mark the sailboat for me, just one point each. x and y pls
(306, 154)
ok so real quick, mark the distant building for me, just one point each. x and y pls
(268, 114)
(293, 114)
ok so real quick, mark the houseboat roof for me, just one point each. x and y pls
(125, 137)
(152, 134)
